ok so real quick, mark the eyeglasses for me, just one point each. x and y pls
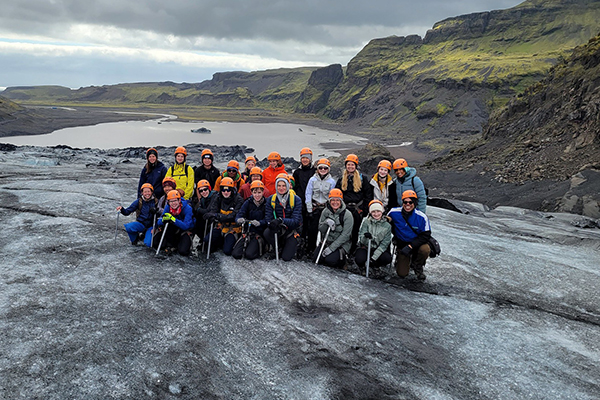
(203, 190)
(407, 202)
(225, 190)
(325, 168)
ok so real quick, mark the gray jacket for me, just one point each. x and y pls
(339, 237)
(380, 230)
(317, 190)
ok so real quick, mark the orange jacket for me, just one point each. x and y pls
(269, 176)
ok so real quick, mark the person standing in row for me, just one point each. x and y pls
(338, 221)
(357, 193)
(255, 175)
(204, 196)
(182, 173)
(283, 214)
(407, 179)
(376, 229)
(316, 197)
(270, 173)
(153, 173)
(301, 177)
(250, 163)
(207, 170)
(412, 232)
(233, 172)
(381, 182)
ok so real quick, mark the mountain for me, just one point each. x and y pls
(549, 133)
(7, 109)
(435, 91)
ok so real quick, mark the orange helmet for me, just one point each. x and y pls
(351, 158)
(227, 182)
(169, 181)
(147, 185)
(233, 164)
(173, 194)
(203, 183)
(336, 193)
(257, 185)
(250, 158)
(400, 163)
(305, 151)
(409, 194)
(256, 171)
(385, 164)
(207, 152)
(181, 150)
(274, 156)
(324, 161)
(283, 175)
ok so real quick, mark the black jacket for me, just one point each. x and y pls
(301, 176)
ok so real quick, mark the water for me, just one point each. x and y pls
(287, 139)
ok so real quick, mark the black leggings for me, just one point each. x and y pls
(287, 242)
(360, 258)
(312, 230)
(218, 239)
(174, 237)
(254, 247)
(336, 259)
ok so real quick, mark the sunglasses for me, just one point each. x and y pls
(203, 190)
(207, 157)
(225, 190)
(323, 168)
(231, 170)
(407, 202)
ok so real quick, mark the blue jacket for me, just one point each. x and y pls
(410, 181)
(144, 215)
(292, 218)
(185, 220)
(403, 231)
(251, 211)
(155, 178)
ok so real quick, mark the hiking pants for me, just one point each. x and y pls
(254, 248)
(336, 259)
(134, 228)
(175, 237)
(360, 258)
(227, 241)
(287, 242)
(312, 229)
(417, 260)
(355, 227)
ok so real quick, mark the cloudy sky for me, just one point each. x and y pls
(80, 43)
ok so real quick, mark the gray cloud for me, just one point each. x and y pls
(314, 21)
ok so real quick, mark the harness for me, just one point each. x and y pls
(292, 203)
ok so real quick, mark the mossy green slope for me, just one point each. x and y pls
(7, 109)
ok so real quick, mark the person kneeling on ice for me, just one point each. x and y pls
(335, 224)
(223, 208)
(145, 210)
(283, 213)
(411, 232)
(201, 206)
(252, 219)
(375, 228)
(176, 224)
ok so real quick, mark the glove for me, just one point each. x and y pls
(209, 216)
(331, 223)
(255, 223)
(153, 210)
(368, 235)
(168, 218)
(274, 225)
(241, 221)
(406, 251)
(327, 251)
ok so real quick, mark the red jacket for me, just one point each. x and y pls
(269, 176)
(246, 192)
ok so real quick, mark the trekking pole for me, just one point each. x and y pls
(323, 245)
(117, 226)
(368, 257)
(153, 231)
(277, 245)
(209, 239)
(162, 237)
(246, 237)
(203, 236)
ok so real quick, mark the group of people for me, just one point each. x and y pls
(248, 213)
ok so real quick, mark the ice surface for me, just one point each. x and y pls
(508, 311)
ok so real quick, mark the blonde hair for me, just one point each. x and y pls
(356, 181)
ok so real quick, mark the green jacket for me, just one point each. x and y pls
(380, 230)
(339, 237)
